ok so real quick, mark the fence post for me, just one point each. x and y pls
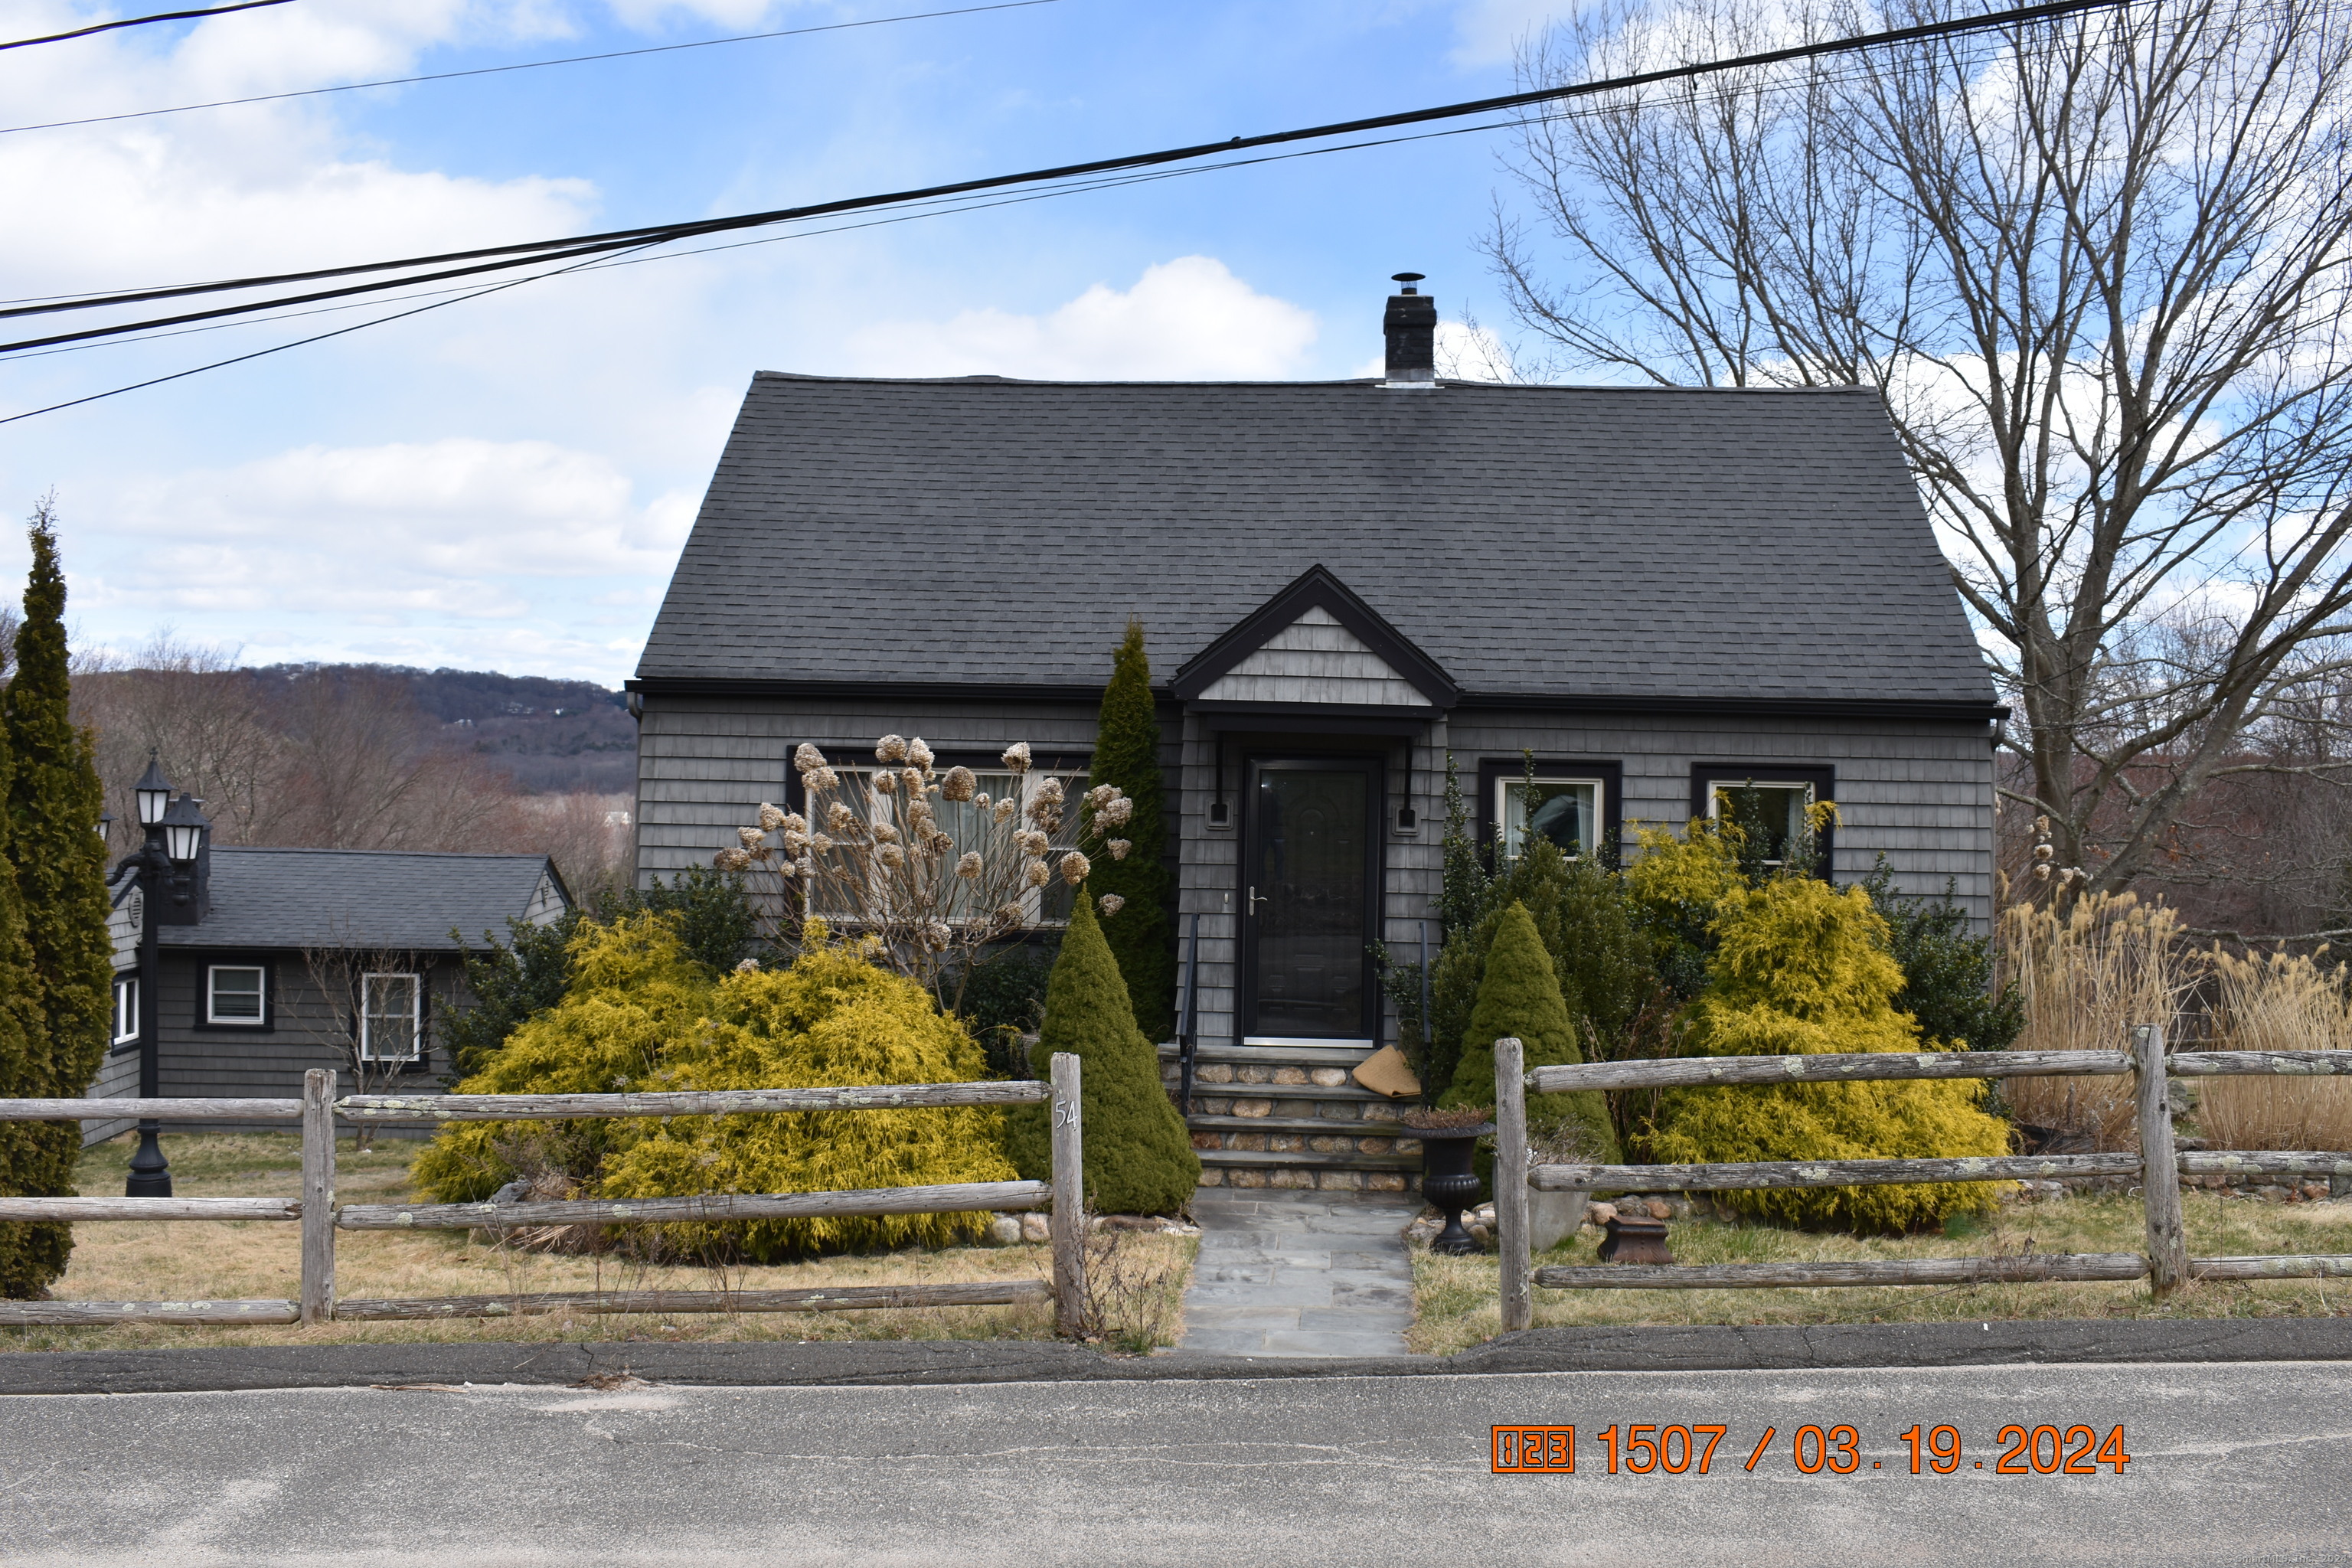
(1069, 1220)
(2159, 1167)
(1511, 1181)
(318, 1196)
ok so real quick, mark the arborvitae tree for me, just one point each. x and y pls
(1127, 753)
(1520, 995)
(56, 928)
(1138, 1157)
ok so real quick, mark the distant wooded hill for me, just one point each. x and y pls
(548, 736)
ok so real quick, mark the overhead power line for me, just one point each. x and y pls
(491, 259)
(498, 71)
(588, 248)
(142, 22)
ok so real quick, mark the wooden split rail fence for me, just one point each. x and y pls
(315, 1212)
(2158, 1166)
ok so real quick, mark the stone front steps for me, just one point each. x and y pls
(1289, 1116)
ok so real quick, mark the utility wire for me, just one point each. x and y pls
(496, 70)
(141, 22)
(530, 253)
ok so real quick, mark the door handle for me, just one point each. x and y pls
(1255, 902)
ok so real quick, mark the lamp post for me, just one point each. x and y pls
(165, 865)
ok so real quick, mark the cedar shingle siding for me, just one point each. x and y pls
(1649, 579)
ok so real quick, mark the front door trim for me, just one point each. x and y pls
(1373, 765)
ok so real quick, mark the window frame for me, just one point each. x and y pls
(415, 978)
(1608, 806)
(211, 1019)
(126, 999)
(1073, 775)
(1707, 777)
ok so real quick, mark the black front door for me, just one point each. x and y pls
(1310, 882)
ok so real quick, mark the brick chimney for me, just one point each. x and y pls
(1410, 325)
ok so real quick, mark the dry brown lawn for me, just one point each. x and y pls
(1455, 1301)
(206, 1260)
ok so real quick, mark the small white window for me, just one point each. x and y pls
(391, 1017)
(1565, 810)
(233, 994)
(1771, 811)
(126, 1009)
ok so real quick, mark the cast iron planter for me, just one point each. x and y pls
(1447, 1179)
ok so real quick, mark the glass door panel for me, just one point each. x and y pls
(1308, 885)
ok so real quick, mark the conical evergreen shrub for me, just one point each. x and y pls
(1520, 995)
(1142, 935)
(1139, 1156)
(63, 1002)
(1801, 968)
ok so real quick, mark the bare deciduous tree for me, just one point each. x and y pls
(2098, 267)
(374, 1012)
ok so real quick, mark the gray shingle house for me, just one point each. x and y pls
(1654, 592)
(238, 1007)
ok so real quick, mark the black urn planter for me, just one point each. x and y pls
(1447, 1179)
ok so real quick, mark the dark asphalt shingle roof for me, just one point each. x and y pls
(1555, 541)
(356, 897)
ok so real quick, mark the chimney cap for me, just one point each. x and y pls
(1408, 279)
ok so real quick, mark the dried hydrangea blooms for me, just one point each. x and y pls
(919, 754)
(936, 935)
(839, 818)
(752, 837)
(968, 867)
(733, 859)
(885, 834)
(806, 757)
(1002, 811)
(749, 966)
(1115, 811)
(1017, 756)
(1111, 903)
(892, 856)
(890, 749)
(771, 818)
(1029, 841)
(960, 785)
(1036, 873)
(913, 779)
(1074, 868)
(884, 783)
(821, 781)
(1118, 848)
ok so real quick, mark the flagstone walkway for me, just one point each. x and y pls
(1284, 1272)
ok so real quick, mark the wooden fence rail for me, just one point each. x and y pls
(315, 1210)
(2158, 1166)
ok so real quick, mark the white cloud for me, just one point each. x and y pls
(1189, 319)
(1489, 32)
(458, 550)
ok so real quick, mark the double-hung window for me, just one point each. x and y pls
(964, 821)
(391, 1018)
(126, 1009)
(1569, 801)
(236, 994)
(1768, 805)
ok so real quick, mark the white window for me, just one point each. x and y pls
(234, 994)
(1565, 810)
(126, 1009)
(1771, 811)
(961, 821)
(391, 1018)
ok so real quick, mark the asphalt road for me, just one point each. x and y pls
(2230, 1463)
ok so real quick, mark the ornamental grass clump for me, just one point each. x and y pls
(1803, 969)
(641, 1015)
(1139, 1156)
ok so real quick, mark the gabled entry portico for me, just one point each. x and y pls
(1313, 700)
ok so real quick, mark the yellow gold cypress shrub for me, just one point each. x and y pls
(637, 1013)
(1803, 969)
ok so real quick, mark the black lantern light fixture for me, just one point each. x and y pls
(153, 792)
(184, 835)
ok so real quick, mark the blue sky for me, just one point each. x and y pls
(505, 483)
